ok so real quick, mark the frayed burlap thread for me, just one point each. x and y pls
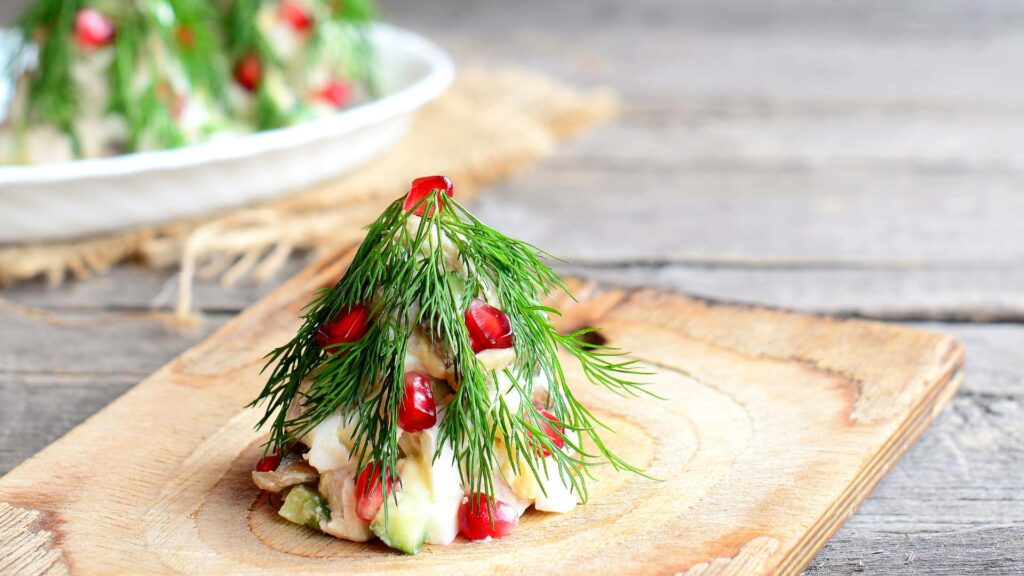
(488, 125)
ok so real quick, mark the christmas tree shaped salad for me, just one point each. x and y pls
(423, 395)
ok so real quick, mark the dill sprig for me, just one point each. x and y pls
(349, 19)
(196, 42)
(408, 279)
(244, 38)
(52, 92)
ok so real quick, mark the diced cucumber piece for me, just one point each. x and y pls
(303, 505)
(406, 526)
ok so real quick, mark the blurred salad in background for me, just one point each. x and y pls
(94, 78)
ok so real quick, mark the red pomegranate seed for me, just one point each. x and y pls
(249, 72)
(178, 106)
(174, 101)
(418, 411)
(555, 438)
(268, 463)
(489, 327)
(369, 496)
(348, 326)
(419, 190)
(296, 15)
(185, 36)
(480, 519)
(335, 93)
(93, 29)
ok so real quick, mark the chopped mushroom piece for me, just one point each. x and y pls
(291, 471)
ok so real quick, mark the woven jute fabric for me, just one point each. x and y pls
(488, 125)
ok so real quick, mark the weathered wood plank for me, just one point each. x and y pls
(866, 18)
(737, 136)
(130, 288)
(94, 343)
(866, 549)
(659, 52)
(764, 216)
(36, 410)
(975, 294)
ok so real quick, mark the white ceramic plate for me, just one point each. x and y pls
(82, 197)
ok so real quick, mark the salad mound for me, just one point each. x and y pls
(423, 397)
(98, 78)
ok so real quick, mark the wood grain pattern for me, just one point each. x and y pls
(775, 427)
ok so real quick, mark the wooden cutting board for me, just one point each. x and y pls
(775, 428)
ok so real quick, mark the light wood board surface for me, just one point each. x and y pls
(774, 427)
(877, 141)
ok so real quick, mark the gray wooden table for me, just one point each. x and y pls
(857, 158)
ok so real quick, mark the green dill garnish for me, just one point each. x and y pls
(52, 92)
(401, 273)
(166, 53)
(243, 38)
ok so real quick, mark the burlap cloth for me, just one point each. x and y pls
(485, 127)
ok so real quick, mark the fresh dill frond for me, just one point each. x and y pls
(52, 92)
